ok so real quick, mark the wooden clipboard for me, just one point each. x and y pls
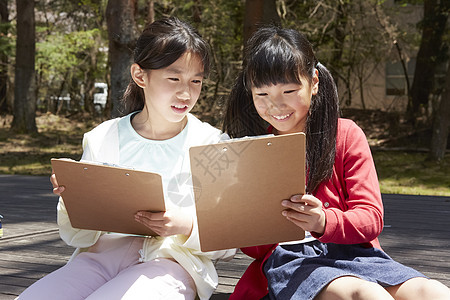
(239, 186)
(105, 198)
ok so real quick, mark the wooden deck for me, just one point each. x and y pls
(416, 233)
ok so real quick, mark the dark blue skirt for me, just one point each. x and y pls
(301, 271)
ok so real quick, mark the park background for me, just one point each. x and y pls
(389, 58)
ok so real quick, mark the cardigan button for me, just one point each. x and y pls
(326, 204)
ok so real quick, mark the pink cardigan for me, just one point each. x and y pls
(351, 202)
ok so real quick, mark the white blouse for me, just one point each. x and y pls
(116, 142)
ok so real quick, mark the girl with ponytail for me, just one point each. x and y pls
(284, 89)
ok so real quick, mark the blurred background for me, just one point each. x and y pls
(65, 64)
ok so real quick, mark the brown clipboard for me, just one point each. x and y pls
(239, 186)
(105, 198)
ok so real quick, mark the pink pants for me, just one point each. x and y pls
(111, 270)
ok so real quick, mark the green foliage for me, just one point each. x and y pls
(70, 45)
(61, 57)
(405, 3)
(7, 42)
(351, 37)
(61, 52)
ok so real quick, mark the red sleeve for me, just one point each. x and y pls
(354, 215)
(259, 252)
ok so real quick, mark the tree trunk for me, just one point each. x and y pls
(121, 33)
(196, 12)
(434, 22)
(340, 34)
(361, 91)
(151, 11)
(405, 72)
(4, 107)
(257, 13)
(25, 82)
(441, 123)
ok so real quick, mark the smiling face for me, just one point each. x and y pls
(285, 105)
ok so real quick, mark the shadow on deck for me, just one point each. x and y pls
(416, 233)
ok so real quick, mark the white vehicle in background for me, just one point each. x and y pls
(100, 96)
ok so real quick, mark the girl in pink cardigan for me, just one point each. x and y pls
(283, 84)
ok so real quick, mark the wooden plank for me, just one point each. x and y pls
(16, 281)
(418, 235)
(9, 292)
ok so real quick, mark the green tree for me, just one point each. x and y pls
(71, 52)
(66, 63)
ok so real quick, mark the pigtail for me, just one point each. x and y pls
(241, 118)
(321, 129)
(274, 55)
(133, 99)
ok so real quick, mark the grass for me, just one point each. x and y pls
(30, 154)
(399, 172)
(411, 173)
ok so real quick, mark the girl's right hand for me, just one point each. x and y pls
(306, 212)
(171, 222)
(57, 190)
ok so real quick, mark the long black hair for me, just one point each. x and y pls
(161, 44)
(274, 55)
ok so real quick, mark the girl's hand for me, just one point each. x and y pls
(306, 212)
(168, 223)
(57, 190)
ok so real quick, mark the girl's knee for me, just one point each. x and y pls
(436, 286)
(433, 289)
(420, 288)
(366, 290)
(353, 288)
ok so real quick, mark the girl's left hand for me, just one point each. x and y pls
(167, 223)
(57, 189)
(306, 212)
